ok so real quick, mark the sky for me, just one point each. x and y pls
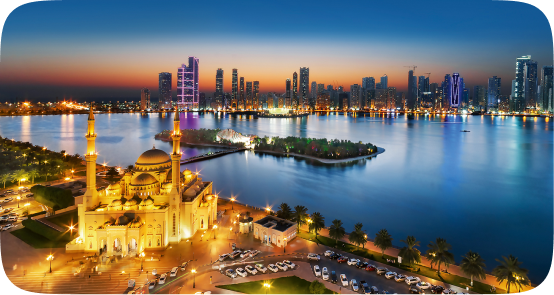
(107, 50)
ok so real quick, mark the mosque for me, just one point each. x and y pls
(152, 206)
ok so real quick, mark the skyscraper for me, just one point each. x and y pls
(518, 102)
(355, 97)
(320, 88)
(531, 83)
(546, 88)
(287, 94)
(304, 87)
(493, 94)
(479, 98)
(412, 91)
(256, 95)
(187, 84)
(294, 91)
(219, 87)
(446, 91)
(242, 102)
(248, 96)
(164, 101)
(202, 101)
(368, 83)
(457, 86)
(384, 82)
(313, 90)
(234, 90)
(391, 98)
(144, 99)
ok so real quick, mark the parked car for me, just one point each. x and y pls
(184, 266)
(343, 280)
(412, 280)
(352, 261)
(317, 271)
(449, 291)
(281, 266)
(174, 271)
(381, 270)
(390, 274)
(437, 289)
(370, 267)
(4, 218)
(373, 290)
(289, 264)
(162, 279)
(223, 257)
(325, 274)
(152, 284)
(334, 256)
(250, 269)
(261, 267)
(415, 290)
(235, 254)
(245, 254)
(231, 273)
(354, 285)
(328, 253)
(385, 292)
(241, 272)
(342, 259)
(423, 285)
(362, 264)
(399, 278)
(254, 253)
(312, 256)
(273, 268)
(365, 287)
(6, 200)
(12, 218)
(333, 277)
(7, 226)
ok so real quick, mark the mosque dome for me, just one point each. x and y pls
(122, 220)
(148, 201)
(144, 179)
(114, 186)
(153, 157)
(135, 223)
(116, 202)
(190, 192)
(187, 172)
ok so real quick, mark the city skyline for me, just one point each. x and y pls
(119, 62)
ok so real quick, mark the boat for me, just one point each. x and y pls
(465, 131)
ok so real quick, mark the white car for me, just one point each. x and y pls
(399, 278)
(381, 270)
(245, 254)
(261, 267)
(152, 284)
(352, 261)
(4, 217)
(423, 285)
(162, 279)
(241, 272)
(412, 280)
(273, 268)
(254, 253)
(354, 285)
(312, 256)
(317, 271)
(184, 266)
(325, 274)
(289, 264)
(391, 274)
(173, 271)
(6, 200)
(7, 226)
(12, 218)
(282, 266)
(343, 280)
(329, 253)
(251, 269)
(223, 257)
(231, 273)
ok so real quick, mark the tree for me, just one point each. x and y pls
(383, 241)
(358, 237)
(409, 253)
(4, 178)
(18, 175)
(299, 216)
(33, 173)
(129, 168)
(509, 271)
(317, 287)
(284, 211)
(336, 230)
(438, 253)
(112, 173)
(474, 266)
(318, 222)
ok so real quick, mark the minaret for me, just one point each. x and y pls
(175, 194)
(91, 194)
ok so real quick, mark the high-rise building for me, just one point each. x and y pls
(465, 99)
(248, 96)
(380, 101)
(187, 84)
(294, 91)
(378, 85)
(202, 101)
(164, 101)
(242, 102)
(368, 83)
(219, 87)
(355, 97)
(256, 95)
(493, 94)
(144, 99)
(446, 91)
(234, 90)
(518, 102)
(479, 98)
(329, 87)
(304, 87)
(343, 101)
(320, 88)
(384, 82)
(287, 94)
(420, 87)
(313, 90)
(531, 83)
(457, 86)
(391, 98)
(323, 101)
(546, 89)
(412, 91)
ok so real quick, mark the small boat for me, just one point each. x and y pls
(465, 131)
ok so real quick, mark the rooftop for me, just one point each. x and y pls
(275, 223)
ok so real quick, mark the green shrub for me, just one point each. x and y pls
(42, 229)
(53, 197)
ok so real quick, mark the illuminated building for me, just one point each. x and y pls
(355, 97)
(368, 83)
(304, 87)
(385, 82)
(412, 91)
(479, 98)
(248, 105)
(493, 93)
(242, 102)
(274, 230)
(294, 103)
(164, 101)
(323, 101)
(391, 98)
(287, 94)
(546, 89)
(234, 90)
(256, 95)
(187, 84)
(144, 99)
(531, 83)
(518, 102)
(218, 95)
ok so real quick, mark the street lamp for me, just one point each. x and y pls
(229, 235)
(194, 282)
(18, 198)
(232, 202)
(266, 286)
(141, 260)
(214, 228)
(268, 209)
(285, 245)
(72, 171)
(50, 258)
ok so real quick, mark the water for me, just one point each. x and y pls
(488, 190)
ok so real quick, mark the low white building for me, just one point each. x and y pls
(274, 230)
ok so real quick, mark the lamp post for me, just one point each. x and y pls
(229, 235)
(266, 286)
(72, 171)
(285, 246)
(268, 209)
(141, 260)
(194, 282)
(214, 228)
(18, 198)
(232, 202)
(71, 227)
(50, 258)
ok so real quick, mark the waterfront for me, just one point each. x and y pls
(488, 190)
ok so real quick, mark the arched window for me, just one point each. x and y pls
(149, 229)
(159, 230)
(202, 223)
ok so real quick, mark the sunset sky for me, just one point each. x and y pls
(111, 49)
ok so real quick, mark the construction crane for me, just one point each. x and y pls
(411, 67)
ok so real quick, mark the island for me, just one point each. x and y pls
(321, 149)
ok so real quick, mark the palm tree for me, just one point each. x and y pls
(336, 231)
(409, 253)
(383, 241)
(509, 271)
(318, 222)
(358, 237)
(33, 173)
(474, 266)
(299, 216)
(438, 253)
(284, 211)
(4, 178)
(18, 175)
